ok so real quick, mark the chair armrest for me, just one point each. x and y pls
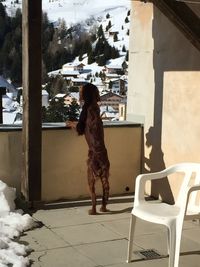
(191, 189)
(143, 178)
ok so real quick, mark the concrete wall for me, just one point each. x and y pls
(163, 89)
(10, 158)
(64, 155)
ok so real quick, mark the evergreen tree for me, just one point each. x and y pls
(80, 58)
(114, 53)
(93, 37)
(97, 74)
(2, 11)
(128, 32)
(128, 13)
(108, 26)
(110, 85)
(99, 48)
(87, 47)
(127, 55)
(57, 111)
(123, 48)
(126, 20)
(122, 27)
(91, 58)
(124, 65)
(100, 32)
(107, 15)
(107, 50)
(73, 111)
(102, 60)
(103, 76)
(115, 37)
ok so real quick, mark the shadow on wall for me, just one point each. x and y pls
(155, 162)
(172, 52)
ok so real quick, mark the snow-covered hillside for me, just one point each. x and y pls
(74, 11)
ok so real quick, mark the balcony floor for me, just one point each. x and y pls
(70, 237)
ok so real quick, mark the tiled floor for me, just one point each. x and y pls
(72, 238)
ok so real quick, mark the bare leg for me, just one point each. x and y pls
(105, 185)
(91, 185)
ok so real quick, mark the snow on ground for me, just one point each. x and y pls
(12, 224)
(72, 11)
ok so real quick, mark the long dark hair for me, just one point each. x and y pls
(90, 95)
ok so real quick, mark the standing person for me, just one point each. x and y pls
(90, 124)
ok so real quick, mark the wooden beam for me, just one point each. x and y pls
(183, 17)
(2, 92)
(31, 133)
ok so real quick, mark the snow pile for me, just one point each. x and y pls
(12, 224)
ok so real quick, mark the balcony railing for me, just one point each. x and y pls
(64, 155)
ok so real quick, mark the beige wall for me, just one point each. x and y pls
(10, 158)
(64, 157)
(163, 88)
(67, 154)
(141, 74)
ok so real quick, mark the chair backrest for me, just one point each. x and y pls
(190, 170)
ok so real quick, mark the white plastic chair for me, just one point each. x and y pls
(186, 207)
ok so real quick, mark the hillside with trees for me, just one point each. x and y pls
(59, 45)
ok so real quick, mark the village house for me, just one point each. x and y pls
(122, 110)
(113, 30)
(111, 99)
(73, 67)
(45, 98)
(9, 87)
(69, 70)
(78, 82)
(72, 96)
(118, 86)
(108, 113)
(113, 69)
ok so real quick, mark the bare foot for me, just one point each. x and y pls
(92, 212)
(103, 209)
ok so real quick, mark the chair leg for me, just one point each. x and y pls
(168, 240)
(130, 240)
(174, 245)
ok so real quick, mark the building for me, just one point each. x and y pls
(113, 69)
(9, 87)
(45, 98)
(164, 83)
(73, 67)
(111, 99)
(118, 86)
(77, 82)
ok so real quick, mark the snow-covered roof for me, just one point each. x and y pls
(113, 66)
(111, 94)
(112, 75)
(79, 80)
(6, 101)
(114, 29)
(5, 83)
(44, 92)
(73, 64)
(60, 95)
(69, 72)
(9, 117)
(55, 72)
(74, 95)
(107, 109)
